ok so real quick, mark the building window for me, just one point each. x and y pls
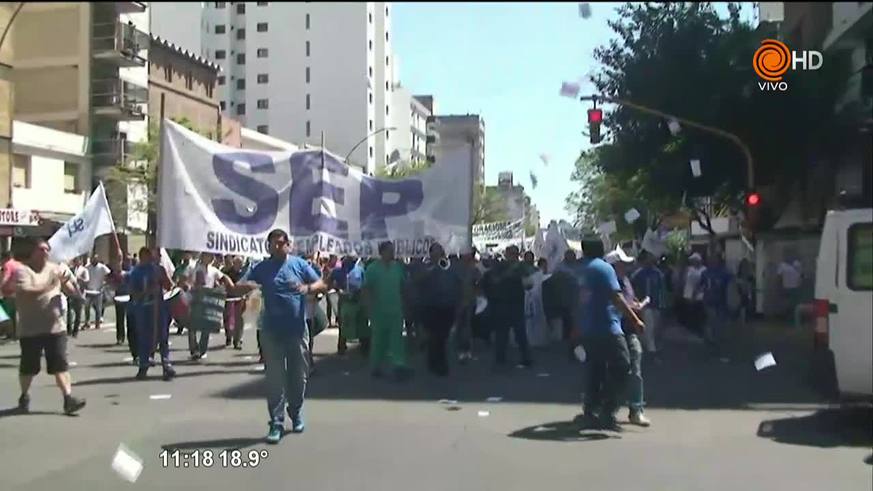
(386, 85)
(386, 110)
(221, 80)
(168, 73)
(241, 109)
(370, 16)
(386, 11)
(307, 22)
(370, 95)
(210, 90)
(220, 5)
(220, 54)
(241, 58)
(371, 125)
(386, 61)
(262, 27)
(21, 171)
(371, 152)
(307, 48)
(71, 177)
(387, 135)
(307, 74)
(371, 71)
(263, 78)
(308, 101)
(241, 33)
(189, 81)
(263, 52)
(386, 36)
(241, 8)
(222, 105)
(220, 29)
(371, 45)
(263, 129)
(263, 4)
(263, 103)
(241, 84)
(308, 129)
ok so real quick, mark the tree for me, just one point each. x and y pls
(682, 58)
(488, 205)
(402, 171)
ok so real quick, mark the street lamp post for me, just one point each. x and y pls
(750, 165)
(355, 147)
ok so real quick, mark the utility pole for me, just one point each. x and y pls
(750, 164)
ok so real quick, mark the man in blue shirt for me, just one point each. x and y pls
(715, 282)
(648, 281)
(602, 305)
(285, 280)
(147, 283)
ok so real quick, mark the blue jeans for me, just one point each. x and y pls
(145, 335)
(635, 400)
(286, 367)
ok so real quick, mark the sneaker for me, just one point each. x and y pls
(72, 405)
(275, 434)
(194, 356)
(639, 419)
(169, 373)
(24, 404)
(586, 420)
(227, 343)
(142, 374)
(203, 356)
(298, 426)
(610, 424)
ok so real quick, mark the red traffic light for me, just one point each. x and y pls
(595, 116)
(753, 199)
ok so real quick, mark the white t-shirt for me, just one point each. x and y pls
(692, 281)
(792, 274)
(207, 277)
(97, 276)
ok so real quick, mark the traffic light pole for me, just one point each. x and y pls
(750, 164)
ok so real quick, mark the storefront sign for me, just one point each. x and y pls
(14, 217)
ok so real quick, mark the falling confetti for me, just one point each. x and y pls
(764, 361)
(533, 180)
(674, 127)
(632, 215)
(569, 89)
(695, 168)
(126, 464)
(544, 158)
(585, 10)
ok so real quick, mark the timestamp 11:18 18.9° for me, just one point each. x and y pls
(228, 459)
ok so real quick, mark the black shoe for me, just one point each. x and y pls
(142, 374)
(227, 343)
(237, 346)
(72, 405)
(169, 373)
(610, 424)
(24, 404)
(587, 420)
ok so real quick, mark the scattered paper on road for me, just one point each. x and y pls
(484, 414)
(158, 397)
(570, 89)
(347, 373)
(73, 364)
(545, 158)
(632, 215)
(764, 361)
(585, 10)
(695, 168)
(448, 401)
(674, 127)
(128, 359)
(127, 464)
(494, 399)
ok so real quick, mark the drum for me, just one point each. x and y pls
(207, 309)
(179, 303)
(232, 308)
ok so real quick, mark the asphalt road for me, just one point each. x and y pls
(716, 426)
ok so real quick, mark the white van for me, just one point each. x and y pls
(844, 298)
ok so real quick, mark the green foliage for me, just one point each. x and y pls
(402, 171)
(683, 59)
(488, 206)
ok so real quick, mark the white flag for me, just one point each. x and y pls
(570, 89)
(166, 262)
(77, 236)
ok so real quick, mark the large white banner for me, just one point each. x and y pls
(77, 236)
(220, 199)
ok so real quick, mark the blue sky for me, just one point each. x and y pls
(506, 62)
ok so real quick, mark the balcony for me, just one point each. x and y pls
(119, 44)
(118, 99)
(130, 7)
(111, 152)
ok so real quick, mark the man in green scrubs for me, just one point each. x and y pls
(383, 287)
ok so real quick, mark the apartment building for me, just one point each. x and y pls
(297, 70)
(80, 68)
(7, 10)
(410, 140)
(458, 129)
(518, 204)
